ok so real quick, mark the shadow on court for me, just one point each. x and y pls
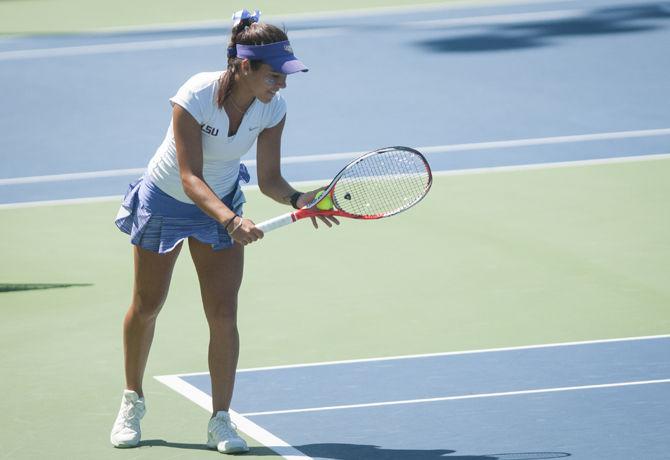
(339, 451)
(174, 445)
(616, 20)
(5, 287)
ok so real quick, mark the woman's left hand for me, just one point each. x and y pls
(307, 198)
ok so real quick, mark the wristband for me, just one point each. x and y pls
(229, 222)
(294, 199)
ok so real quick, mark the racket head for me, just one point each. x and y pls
(377, 184)
(381, 183)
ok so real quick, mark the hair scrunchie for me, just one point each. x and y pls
(245, 17)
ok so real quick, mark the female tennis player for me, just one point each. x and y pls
(191, 191)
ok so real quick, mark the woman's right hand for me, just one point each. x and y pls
(245, 231)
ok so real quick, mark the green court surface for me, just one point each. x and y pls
(65, 16)
(487, 260)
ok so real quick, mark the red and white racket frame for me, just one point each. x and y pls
(310, 209)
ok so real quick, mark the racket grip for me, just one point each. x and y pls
(276, 222)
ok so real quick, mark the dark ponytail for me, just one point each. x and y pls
(245, 33)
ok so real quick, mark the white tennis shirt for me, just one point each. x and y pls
(221, 154)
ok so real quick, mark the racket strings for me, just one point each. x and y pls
(383, 184)
(399, 182)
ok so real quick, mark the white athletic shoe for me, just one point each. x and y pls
(221, 435)
(126, 429)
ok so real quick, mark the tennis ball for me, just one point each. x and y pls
(326, 204)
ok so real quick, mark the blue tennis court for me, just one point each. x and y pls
(509, 85)
(522, 313)
(606, 399)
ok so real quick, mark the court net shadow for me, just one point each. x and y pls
(341, 451)
(614, 20)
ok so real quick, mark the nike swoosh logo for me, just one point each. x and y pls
(255, 127)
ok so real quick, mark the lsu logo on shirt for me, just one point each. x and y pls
(209, 130)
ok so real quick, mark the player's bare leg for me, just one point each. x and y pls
(220, 276)
(152, 280)
(153, 272)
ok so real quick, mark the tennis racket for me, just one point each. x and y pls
(375, 185)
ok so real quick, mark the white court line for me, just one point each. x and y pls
(145, 45)
(436, 149)
(324, 15)
(496, 19)
(454, 172)
(553, 165)
(269, 440)
(172, 43)
(548, 140)
(248, 427)
(473, 146)
(64, 202)
(461, 397)
(333, 15)
(72, 176)
(448, 353)
(110, 48)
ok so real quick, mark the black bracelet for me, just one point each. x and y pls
(294, 199)
(230, 221)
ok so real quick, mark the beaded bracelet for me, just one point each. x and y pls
(238, 225)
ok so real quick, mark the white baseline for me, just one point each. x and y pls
(436, 149)
(266, 438)
(144, 45)
(460, 397)
(319, 182)
(450, 353)
(260, 434)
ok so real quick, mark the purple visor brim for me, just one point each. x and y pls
(278, 55)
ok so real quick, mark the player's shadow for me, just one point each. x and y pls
(174, 445)
(615, 20)
(340, 451)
